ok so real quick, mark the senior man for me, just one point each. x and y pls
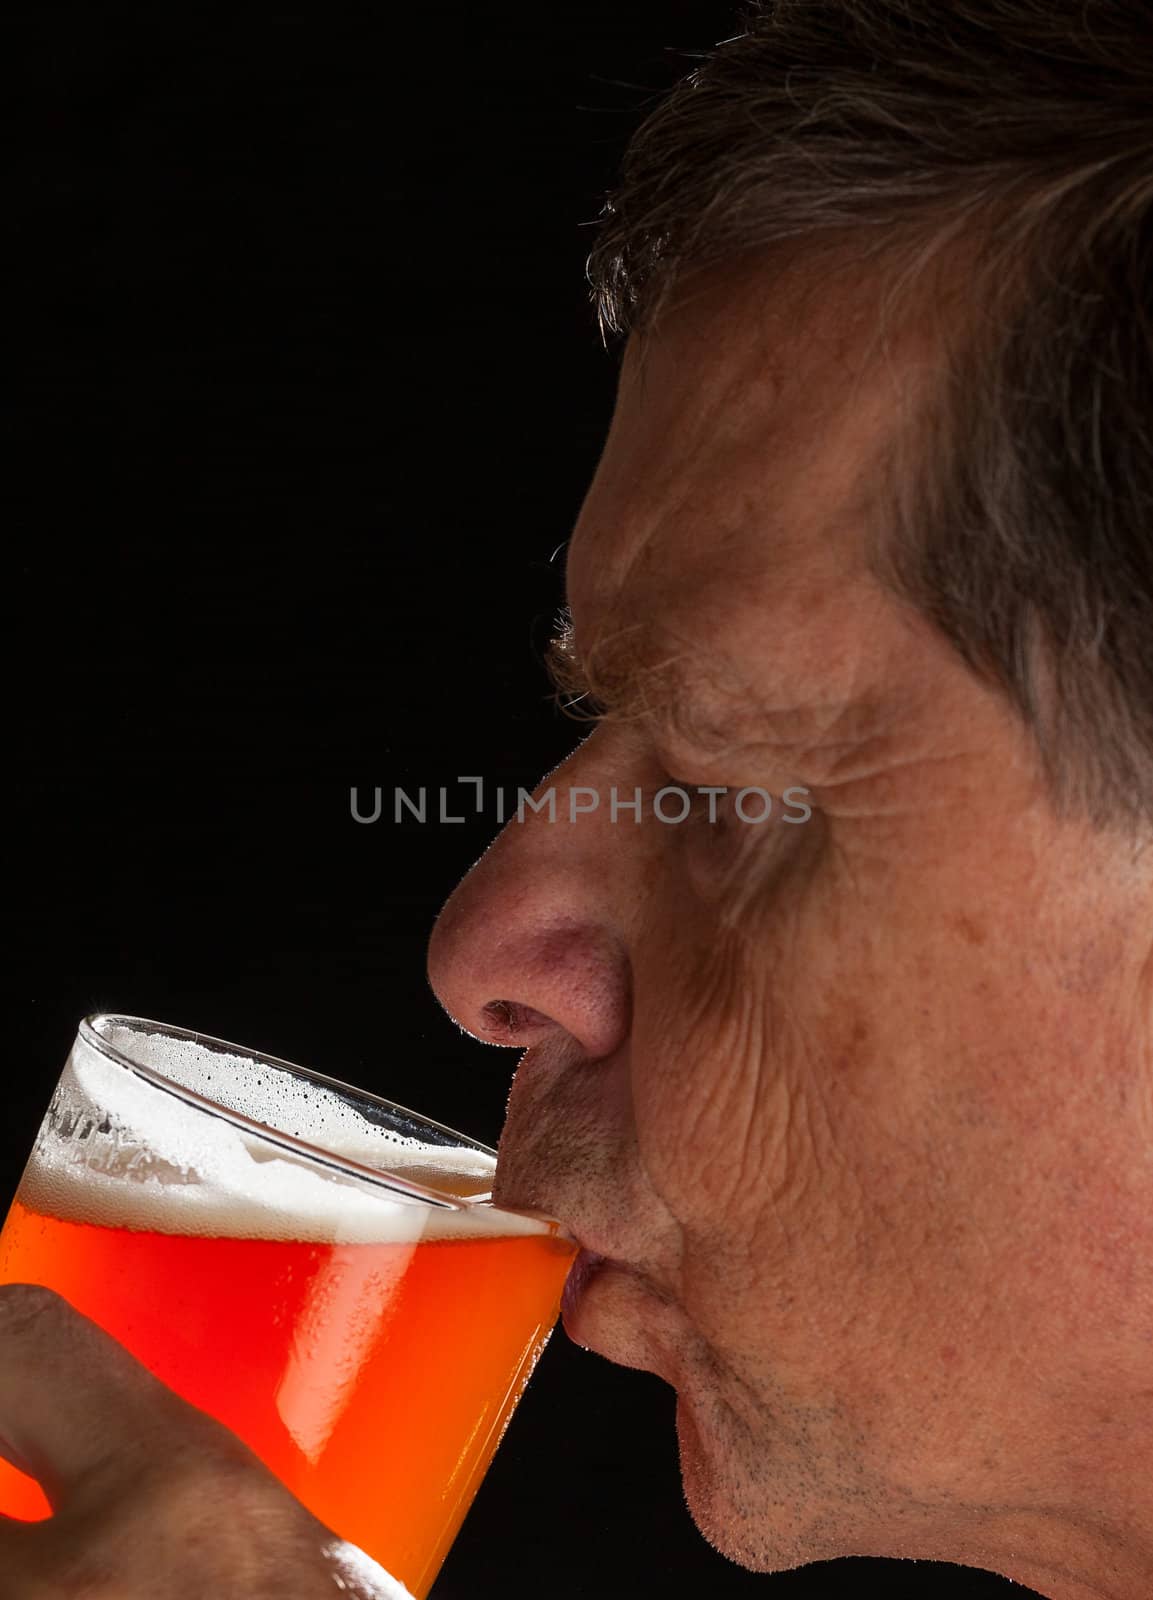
(849, 1103)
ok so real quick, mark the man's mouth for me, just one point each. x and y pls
(586, 1265)
(608, 1308)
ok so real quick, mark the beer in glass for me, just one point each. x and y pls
(321, 1270)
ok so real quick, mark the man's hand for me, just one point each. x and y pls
(151, 1498)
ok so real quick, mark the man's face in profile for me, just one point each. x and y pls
(857, 1109)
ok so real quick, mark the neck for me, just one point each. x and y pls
(1069, 1556)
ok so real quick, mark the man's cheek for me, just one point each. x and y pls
(726, 1109)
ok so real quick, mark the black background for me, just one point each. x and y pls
(310, 394)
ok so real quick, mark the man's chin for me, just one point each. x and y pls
(708, 1492)
(746, 1489)
(741, 1501)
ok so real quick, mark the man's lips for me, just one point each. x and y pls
(585, 1267)
(608, 1308)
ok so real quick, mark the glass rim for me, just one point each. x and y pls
(89, 1031)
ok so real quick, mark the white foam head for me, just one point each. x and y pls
(118, 1150)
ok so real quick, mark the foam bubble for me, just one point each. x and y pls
(117, 1150)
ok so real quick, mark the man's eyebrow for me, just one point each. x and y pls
(690, 701)
(567, 674)
(621, 679)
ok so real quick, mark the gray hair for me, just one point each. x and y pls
(1021, 133)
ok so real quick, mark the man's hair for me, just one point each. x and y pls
(1017, 136)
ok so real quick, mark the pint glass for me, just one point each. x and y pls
(322, 1271)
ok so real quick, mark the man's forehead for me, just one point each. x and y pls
(720, 575)
(721, 556)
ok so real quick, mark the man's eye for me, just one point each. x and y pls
(710, 804)
(689, 789)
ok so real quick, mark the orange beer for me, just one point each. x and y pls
(368, 1344)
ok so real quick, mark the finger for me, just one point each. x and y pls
(73, 1402)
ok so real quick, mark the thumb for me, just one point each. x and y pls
(74, 1405)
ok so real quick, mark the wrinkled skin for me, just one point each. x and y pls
(861, 1110)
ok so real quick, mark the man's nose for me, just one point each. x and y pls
(528, 944)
